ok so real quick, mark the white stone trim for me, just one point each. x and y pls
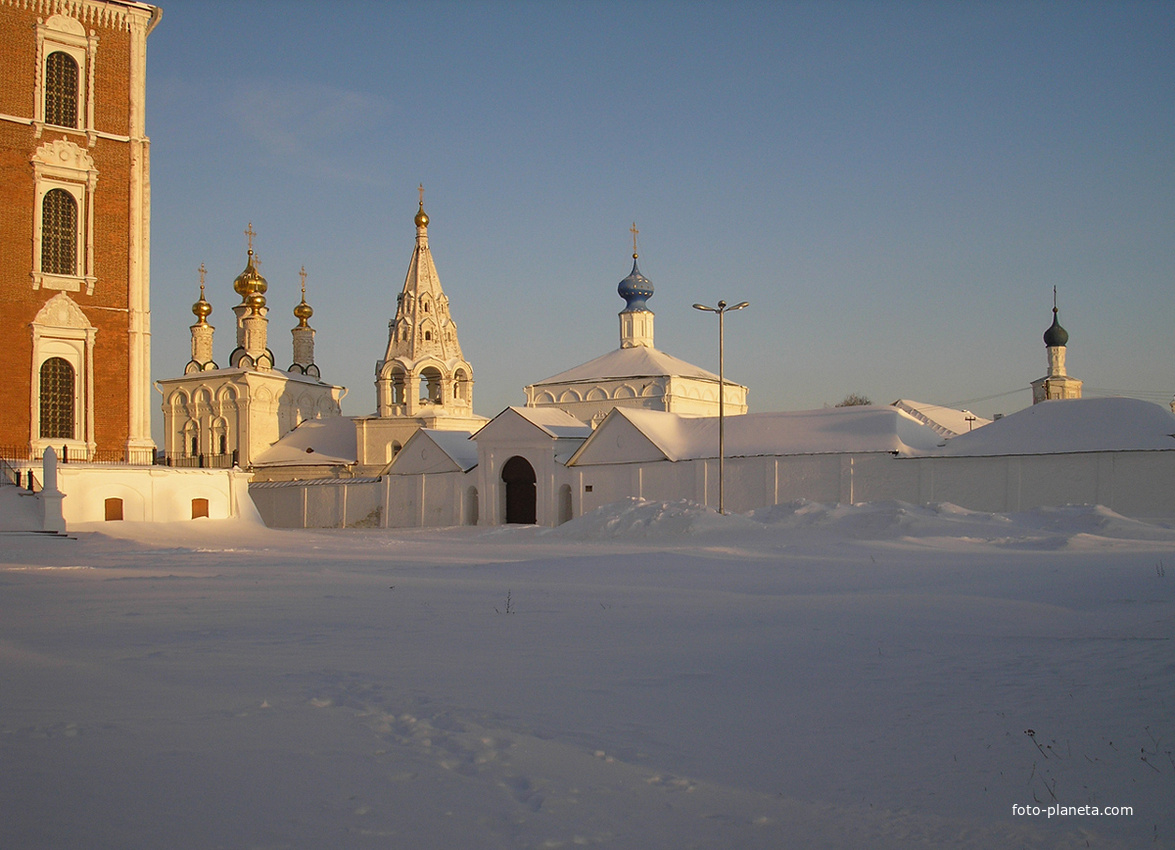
(62, 330)
(62, 34)
(62, 164)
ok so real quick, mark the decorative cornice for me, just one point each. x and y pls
(110, 14)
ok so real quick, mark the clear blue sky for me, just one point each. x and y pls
(896, 187)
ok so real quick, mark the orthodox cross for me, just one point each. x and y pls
(420, 189)
(202, 272)
(302, 274)
(634, 232)
(250, 233)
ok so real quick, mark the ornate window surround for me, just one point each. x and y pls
(61, 164)
(62, 34)
(62, 330)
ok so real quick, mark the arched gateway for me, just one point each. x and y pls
(521, 497)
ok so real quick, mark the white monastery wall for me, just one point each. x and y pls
(431, 500)
(320, 503)
(152, 494)
(1136, 484)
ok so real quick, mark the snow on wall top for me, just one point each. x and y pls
(1071, 425)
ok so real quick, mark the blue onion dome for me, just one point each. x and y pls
(1056, 335)
(634, 289)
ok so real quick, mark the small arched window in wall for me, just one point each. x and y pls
(59, 223)
(199, 508)
(113, 509)
(61, 90)
(57, 399)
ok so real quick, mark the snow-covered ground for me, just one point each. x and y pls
(649, 676)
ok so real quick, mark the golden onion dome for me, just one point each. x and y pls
(421, 216)
(255, 301)
(303, 312)
(202, 310)
(250, 280)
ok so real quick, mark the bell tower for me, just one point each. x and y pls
(1057, 384)
(423, 371)
(423, 380)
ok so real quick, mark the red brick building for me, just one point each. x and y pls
(75, 228)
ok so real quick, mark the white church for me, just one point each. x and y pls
(637, 422)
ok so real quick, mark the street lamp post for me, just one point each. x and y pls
(721, 310)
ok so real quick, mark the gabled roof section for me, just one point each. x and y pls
(839, 430)
(429, 450)
(637, 362)
(551, 422)
(1071, 425)
(316, 442)
(947, 421)
(620, 439)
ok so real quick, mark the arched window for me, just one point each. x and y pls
(57, 399)
(61, 90)
(59, 223)
(399, 384)
(199, 508)
(113, 510)
(431, 385)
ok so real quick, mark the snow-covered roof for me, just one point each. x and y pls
(831, 430)
(456, 446)
(947, 421)
(554, 422)
(638, 362)
(236, 371)
(316, 442)
(1071, 425)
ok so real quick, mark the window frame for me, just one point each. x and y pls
(68, 399)
(61, 164)
(62, 330)
(68, 237)
(53, 98)
(63, 34)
